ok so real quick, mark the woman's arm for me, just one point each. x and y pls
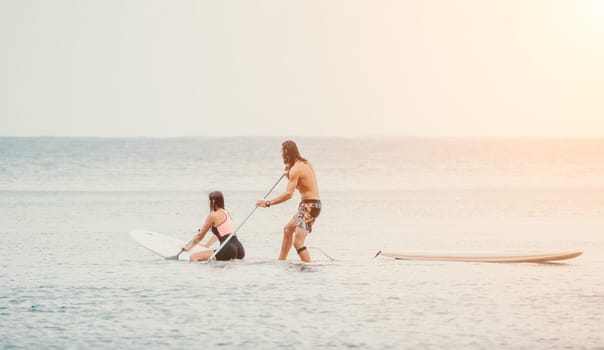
(211, 241)
(200, 233)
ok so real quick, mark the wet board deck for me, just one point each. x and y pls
(163, 245)
(483, 257)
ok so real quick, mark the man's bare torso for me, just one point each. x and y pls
(306, 180)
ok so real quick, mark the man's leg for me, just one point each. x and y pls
(286, 244)
(299, 238)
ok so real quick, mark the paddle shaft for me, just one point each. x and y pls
(243, 222)
(181, 250)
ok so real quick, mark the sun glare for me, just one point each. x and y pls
(594, 15)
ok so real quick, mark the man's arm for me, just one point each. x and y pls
(288, 194)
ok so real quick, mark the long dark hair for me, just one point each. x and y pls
(216, 200)
(290, 154)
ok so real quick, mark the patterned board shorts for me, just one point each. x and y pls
(308, 211)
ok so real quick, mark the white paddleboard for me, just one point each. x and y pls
(489, 257)
(162, 245)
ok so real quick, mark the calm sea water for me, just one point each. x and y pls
(71, 276)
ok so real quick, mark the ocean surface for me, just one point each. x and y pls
(72, 277)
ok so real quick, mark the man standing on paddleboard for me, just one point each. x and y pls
(301, 176)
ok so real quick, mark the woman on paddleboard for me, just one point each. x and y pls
(222, 226)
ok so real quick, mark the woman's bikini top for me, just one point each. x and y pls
(225, 228)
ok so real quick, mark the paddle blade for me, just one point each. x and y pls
(175, 257)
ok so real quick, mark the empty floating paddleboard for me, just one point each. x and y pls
(478, 257)
(163, 245)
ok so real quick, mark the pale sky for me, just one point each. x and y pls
(302, 68)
